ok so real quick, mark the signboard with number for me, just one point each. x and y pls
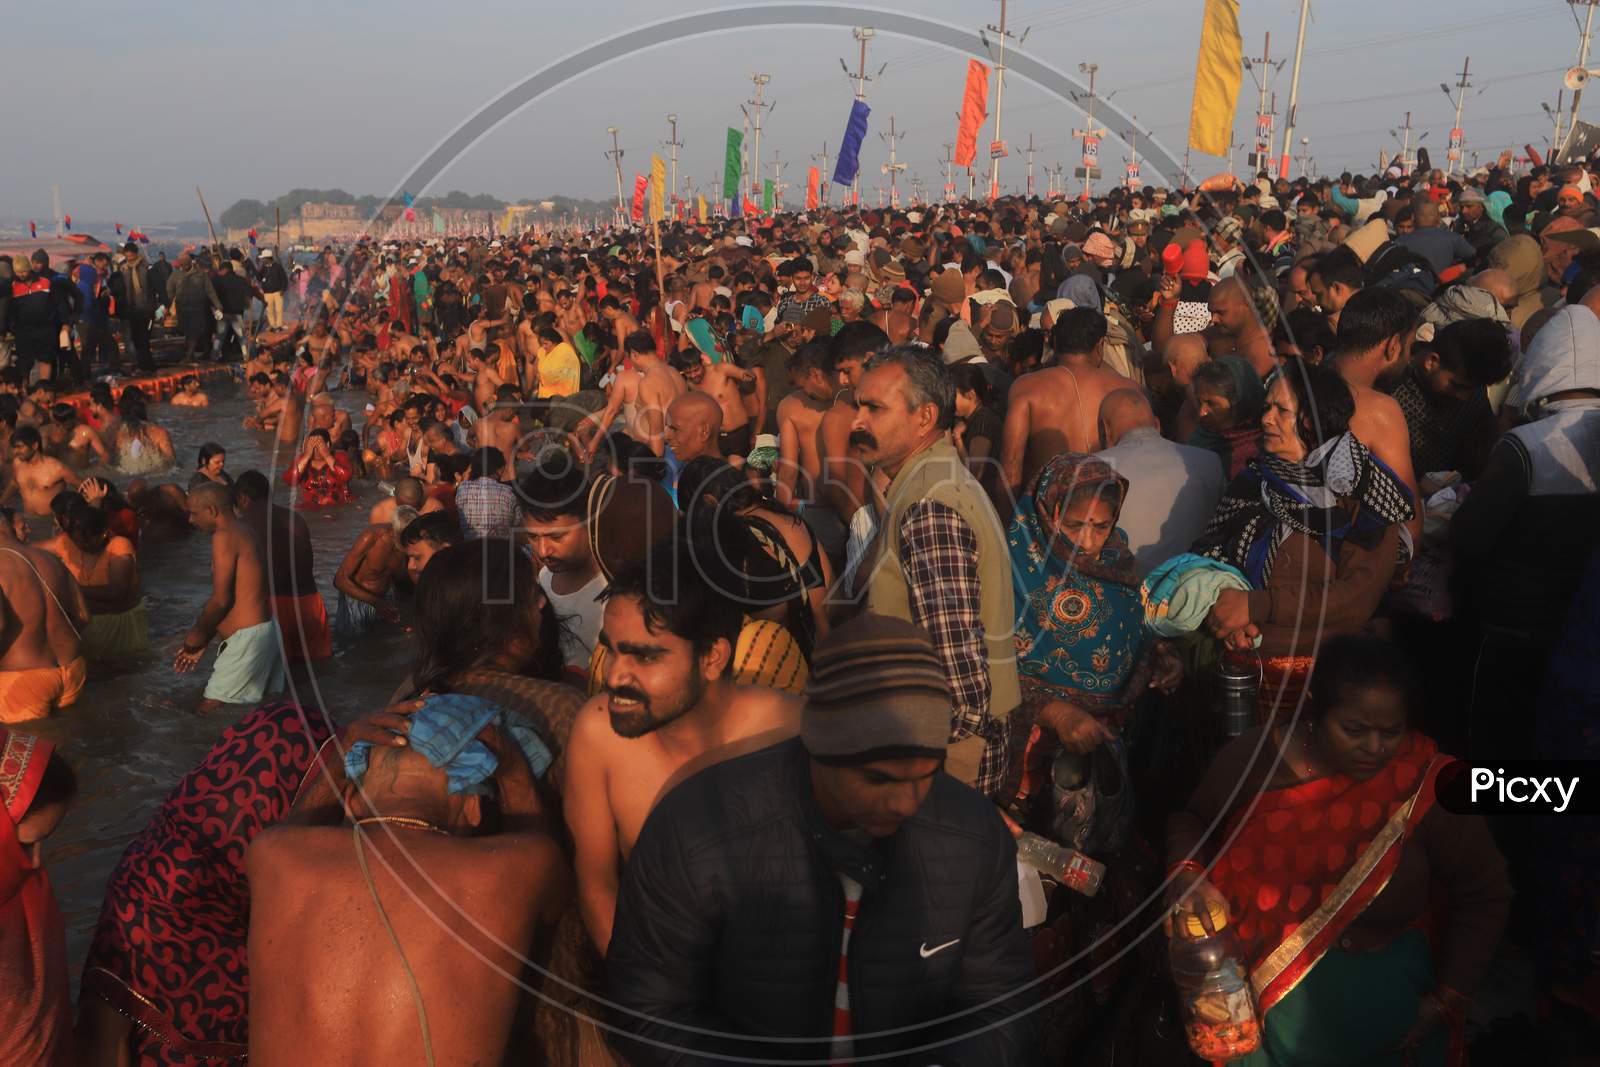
(1091, 151)
(1456, 141)
(1263, 132)
(1133, 175)
(998, 150)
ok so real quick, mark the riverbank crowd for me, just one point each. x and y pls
(1010, 632)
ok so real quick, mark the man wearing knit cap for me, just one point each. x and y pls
(846, 851)
(1474, 223)
(940, 559)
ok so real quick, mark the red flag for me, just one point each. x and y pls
(68, 220)
(119, 229)
(974, 110)
(33, 228)
(641, 186)
(813, 176)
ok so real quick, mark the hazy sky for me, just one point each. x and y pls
(128, 106)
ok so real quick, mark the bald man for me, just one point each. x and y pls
(694, 422)
(1183, 355)
(1173, 489)
(1439, 246)
(1236, 328)
(409, 492)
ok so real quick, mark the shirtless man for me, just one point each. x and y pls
(36, 476)
(485, 379)
(72, 441)
(571, 317)
(393, 898)
(42, 613)
(669, 709)
(618, 321)
(1236, 329)
(899, 319)
(640, 396)
(409, 492)
(721, 382)
(249, 664)
(694, 428)
(1376, 328)
(1057, 408)
(367, 574)
(799, 418)
(501, 429)
(296, 602)
(323, 415)
(189, 394)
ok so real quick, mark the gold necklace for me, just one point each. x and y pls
(403, 821)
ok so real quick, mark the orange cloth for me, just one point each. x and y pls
(974, 110)
(35, 693)
(303, 621)
(35, 1011)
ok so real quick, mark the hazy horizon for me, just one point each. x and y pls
(305, 95)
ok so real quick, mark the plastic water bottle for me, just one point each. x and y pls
(1066, 865)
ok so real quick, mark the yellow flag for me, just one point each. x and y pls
(658, 189)
(702, 207)
(1216, 79)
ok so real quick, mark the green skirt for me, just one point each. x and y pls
(117, 636)
(1353, 1008)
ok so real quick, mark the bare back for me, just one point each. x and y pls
(1053, 410)
(237, 554)
(326, 982)
(36, 593)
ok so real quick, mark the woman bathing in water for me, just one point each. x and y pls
(142, 447)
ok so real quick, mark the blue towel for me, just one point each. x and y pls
(445, 731)
(1182, 591)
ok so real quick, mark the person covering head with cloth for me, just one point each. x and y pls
(1322, 845)
(35, 1015)
(1313, 524)
(846, 852)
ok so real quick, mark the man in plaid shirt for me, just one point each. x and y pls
(802, 298)
(487, 506)
(941, 560)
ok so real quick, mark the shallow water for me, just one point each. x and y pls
(135, 731)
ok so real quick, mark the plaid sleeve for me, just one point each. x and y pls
(940, 554)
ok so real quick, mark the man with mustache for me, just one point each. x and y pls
(669, 708)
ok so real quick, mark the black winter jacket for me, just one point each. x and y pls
(731, 911)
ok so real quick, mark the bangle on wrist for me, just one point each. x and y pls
(1186, 865)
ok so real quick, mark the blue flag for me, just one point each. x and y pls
(736, 205)
(855, 131)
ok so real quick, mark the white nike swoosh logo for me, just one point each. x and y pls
(926, 951)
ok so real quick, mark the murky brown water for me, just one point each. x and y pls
(134, 733)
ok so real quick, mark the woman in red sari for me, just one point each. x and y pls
(1368, 914)
(321, 474)
(35, 1018)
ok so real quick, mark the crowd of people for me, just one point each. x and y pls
(774, 583)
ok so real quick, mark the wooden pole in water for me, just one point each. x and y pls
(213, 230)
(277, 226)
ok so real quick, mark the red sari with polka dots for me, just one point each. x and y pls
(1306, 860)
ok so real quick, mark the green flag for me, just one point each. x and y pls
(730, 167)
(767, 194)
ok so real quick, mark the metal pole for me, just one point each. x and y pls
(999, 101)
(1583, 63)
(1030, 166)
(616, 157)
(674, 145)
(1094, 68)
(1461, 100)
(760, 81)
(1294, 89)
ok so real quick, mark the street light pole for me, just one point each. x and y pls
(1294, 89)
(616, 157)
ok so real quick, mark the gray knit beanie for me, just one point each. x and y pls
(878, 691)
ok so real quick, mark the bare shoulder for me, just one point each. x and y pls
(764, 710)
(591, 729)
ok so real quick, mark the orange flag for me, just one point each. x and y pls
(974, 110)
(812, 177)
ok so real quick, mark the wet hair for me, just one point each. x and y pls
(1306, 329)
(469, 599)
(1325, 402)
(1353, 663)
(675, 596)
(1475, 350)
(813, 355)
(857, 341)
(1340, 266)
(486, 463)
(252, 485)
(1077, 331)
(556, 487)
(927, 379)
(88, 528)
(27, 435)
(1372, 317)
(208, 451)
(61, 411)
(436, 527)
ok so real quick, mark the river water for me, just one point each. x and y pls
(133, 733)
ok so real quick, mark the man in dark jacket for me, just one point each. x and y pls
(1474, 223)
(234, 292)
(195, 299)
(136, 294)
(833, 896)
(274, 282)
(41, 304)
